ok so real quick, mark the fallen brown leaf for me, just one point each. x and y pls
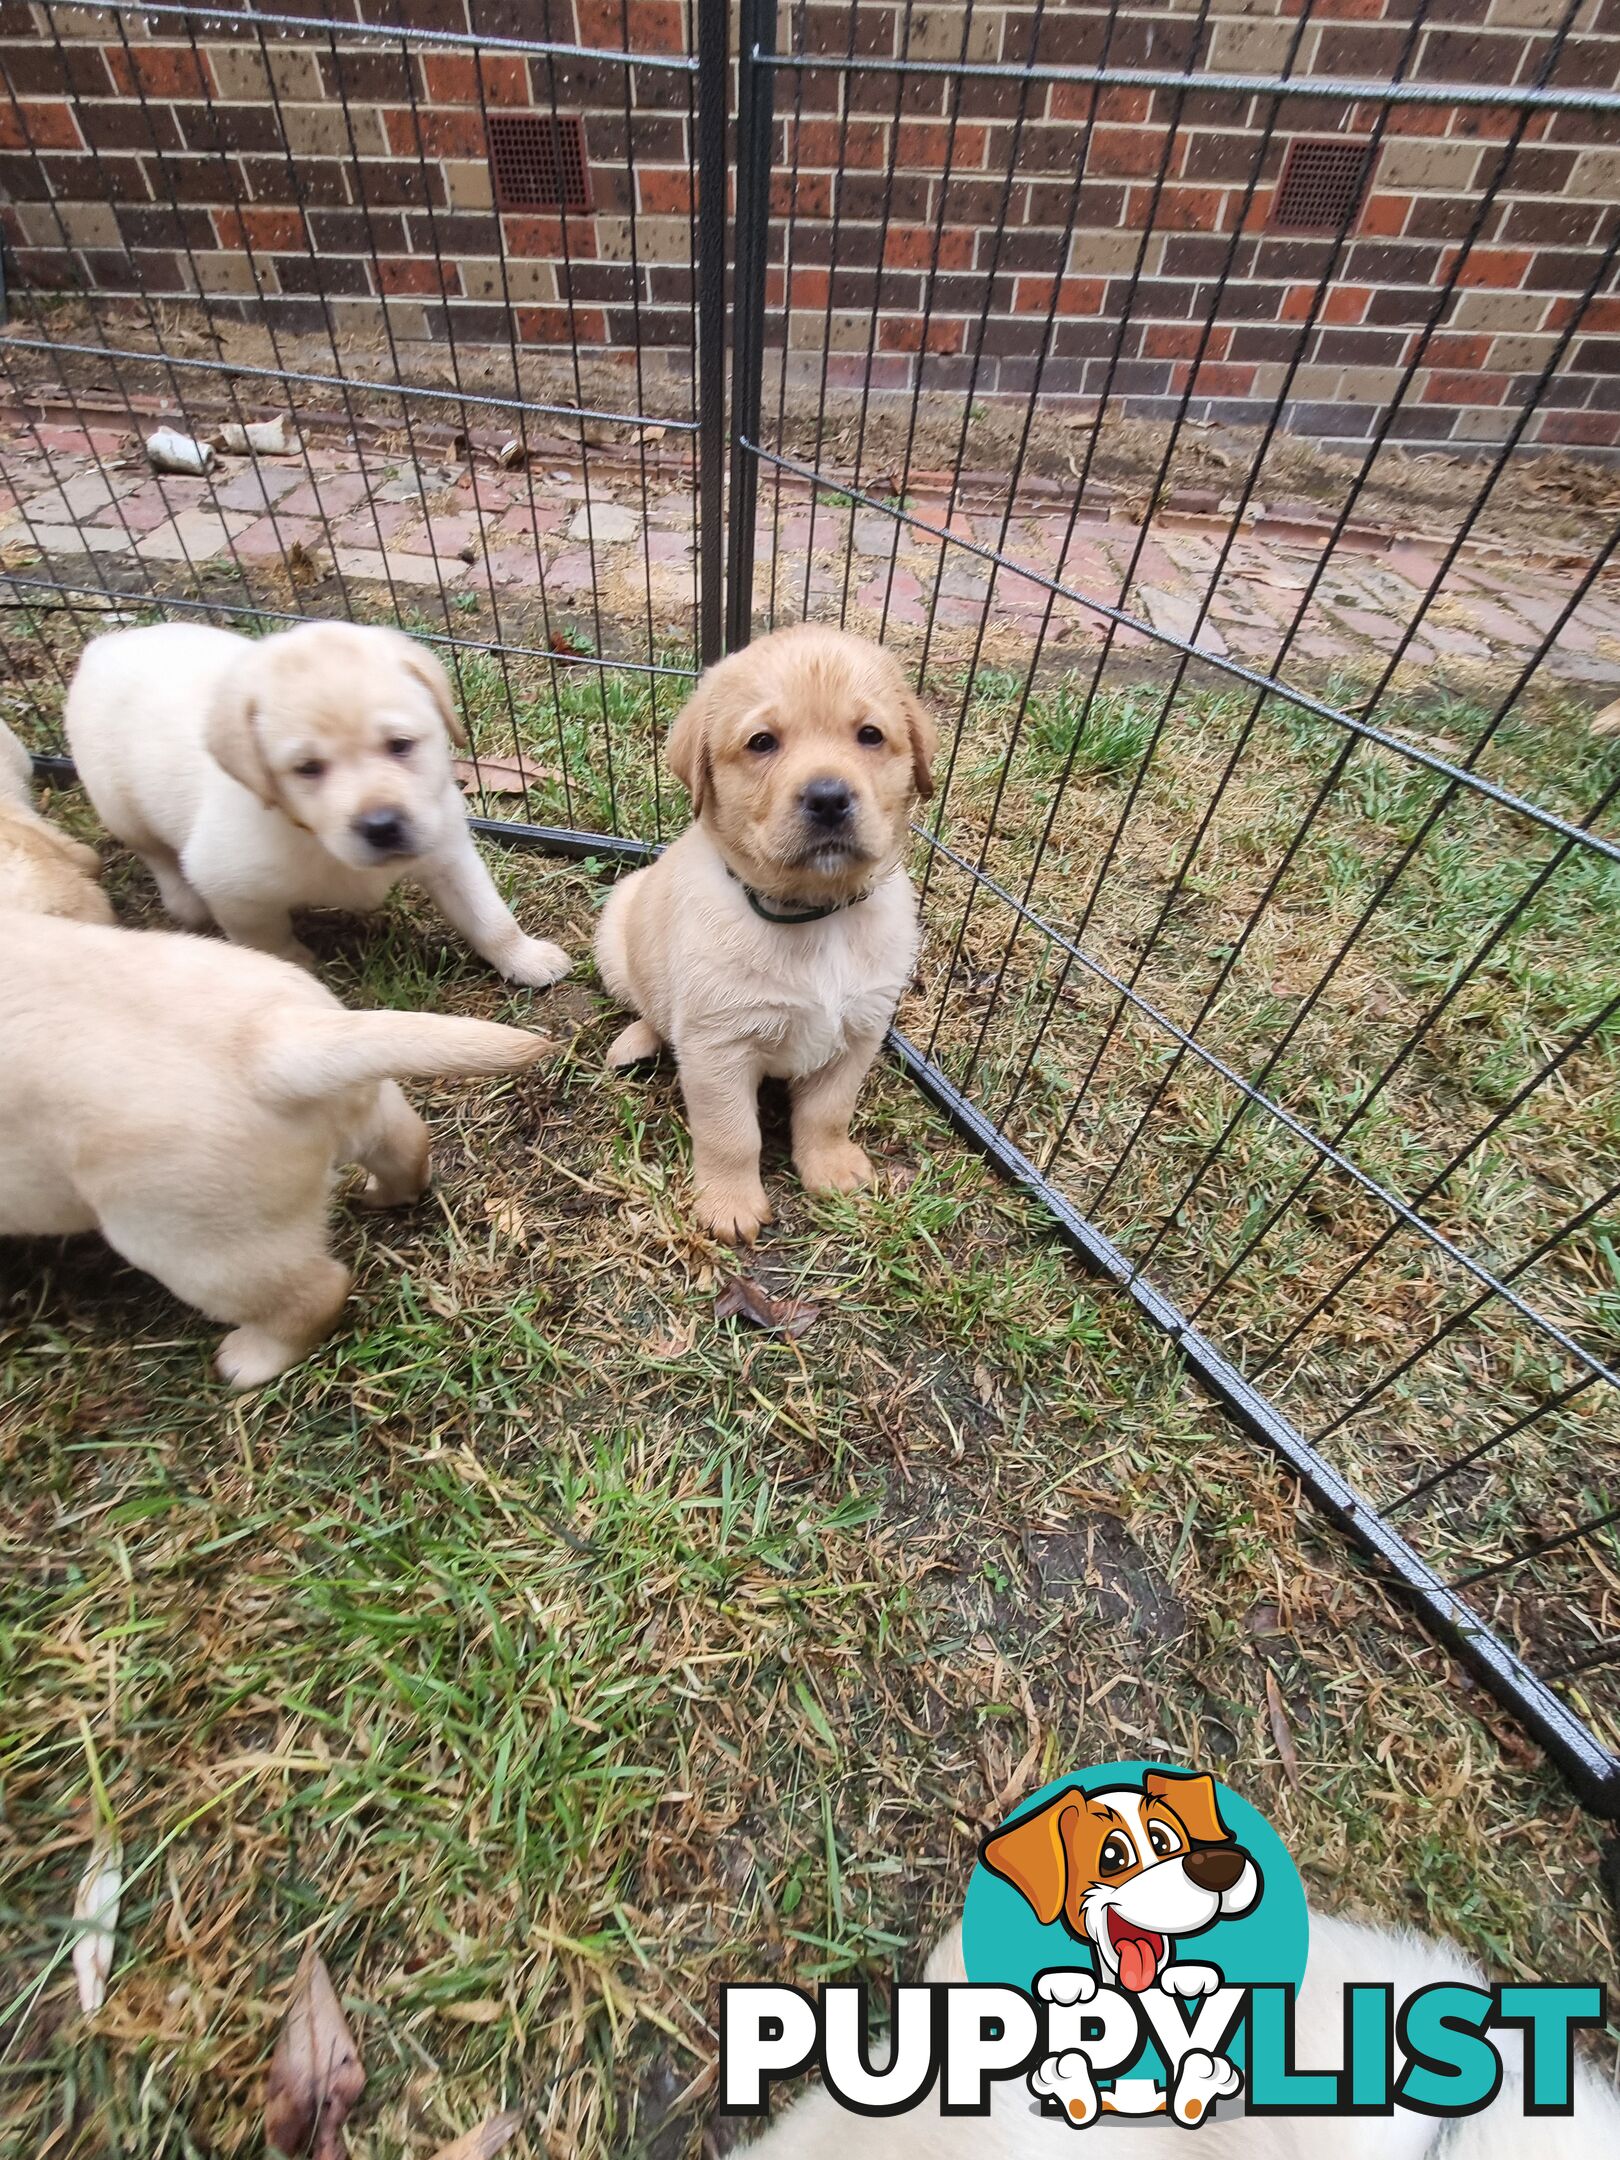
(484, 2142)
(498, 775)
(1281, 1731)
(1607, 722)
(741, 1298)
(316, 2075)
(566, 645)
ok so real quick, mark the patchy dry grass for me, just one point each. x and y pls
(551, 1652)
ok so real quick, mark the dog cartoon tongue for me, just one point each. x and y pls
(1139, 1952)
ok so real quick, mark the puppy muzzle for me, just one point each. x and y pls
(384, 833)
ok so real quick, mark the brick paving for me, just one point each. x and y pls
(82, 508)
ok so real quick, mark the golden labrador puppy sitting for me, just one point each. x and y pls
(774, 938)
(190, 1101)
(42, 871)
(307, 769)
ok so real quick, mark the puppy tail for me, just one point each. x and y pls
(331, 1051)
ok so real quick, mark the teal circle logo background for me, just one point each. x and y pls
(1003, 1941)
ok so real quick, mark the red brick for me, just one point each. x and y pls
(416, 274)
(560, 326)
(1224, 378)
(1580, 427)
(810, 286)
(897, 333)
(1455, 349)
(1497, 266)
(826, 142)
(656, 26)
(1081, 296)
(923, 143)
(543, 237)
(1032, 295)
(162, 71)
(1134, 151)
(1384, 216)
(911, 247)
(1602, 314)
(1471, 388)
(809, 195)
(274, 229)
(1344, 303)
(34, 125)
(666, 189)
(451, 79)
(1188, 209)
(439, 131)
(1170, 341)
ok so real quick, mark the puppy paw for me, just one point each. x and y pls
(736, 1214)
(535, 964)
(1066, 1984)
(1066, 2081)
(638, 1042)
(250, 1356)
(833, 1166)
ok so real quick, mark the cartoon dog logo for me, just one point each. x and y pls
(1130, 1871)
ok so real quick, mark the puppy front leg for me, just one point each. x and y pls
(824, 1155)
(721, 1089)
(265, 927)
(464, 891)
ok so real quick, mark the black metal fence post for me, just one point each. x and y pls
(713, 99)
(755, 84)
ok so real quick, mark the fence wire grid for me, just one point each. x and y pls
(1283, 974)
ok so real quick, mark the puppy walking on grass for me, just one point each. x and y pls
(191, 1101)
(307, 769)
(774, 938)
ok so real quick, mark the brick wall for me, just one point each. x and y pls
(1006, 230)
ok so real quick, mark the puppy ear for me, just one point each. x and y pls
(924, 742)
(231, 738)
(1193, 1798)
(686, 748)
(1031, 1854)
(417, 660)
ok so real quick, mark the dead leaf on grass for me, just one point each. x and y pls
(302, 567)
(316, 2075)
(477, 2010)
(741, 1298)
(95, 1911)
(1281, 1730)
(1607, 722)
(498, 776)
(483, 2143)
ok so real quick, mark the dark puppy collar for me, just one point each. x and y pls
(783, 911)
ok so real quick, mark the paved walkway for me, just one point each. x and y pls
(83, 508)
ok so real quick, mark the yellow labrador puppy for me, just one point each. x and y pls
(774, 938)
(42, 871)
(190, 1101)
(307, 769)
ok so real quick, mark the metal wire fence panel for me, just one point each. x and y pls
(1270, 909)
(1270, 882)
(493, 400)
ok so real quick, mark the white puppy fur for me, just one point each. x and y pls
(307, 769)
(42, 871)
(190, 1101)
(1342, 1952)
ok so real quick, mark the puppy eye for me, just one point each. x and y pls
(869, 735)
(762, 744)
(1160, 1839)
(400, 746)
(1116, 1855)
(311, 769)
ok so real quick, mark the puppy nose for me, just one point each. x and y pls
(384, 830)
(1215, 1867)
(827, 802)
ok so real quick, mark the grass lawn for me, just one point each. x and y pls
(549, 1652)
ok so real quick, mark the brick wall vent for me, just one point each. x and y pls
(1321, 186)
(539, 161)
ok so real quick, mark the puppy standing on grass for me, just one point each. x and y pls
(42, 871)
(190, 1102)
(307, 769)
(774, 938)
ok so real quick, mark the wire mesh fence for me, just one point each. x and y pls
(1270, 882)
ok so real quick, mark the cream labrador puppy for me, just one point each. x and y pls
(307, 769)
(42, 871)
(775, 936)
(190, 1101)
(1342, 1952)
